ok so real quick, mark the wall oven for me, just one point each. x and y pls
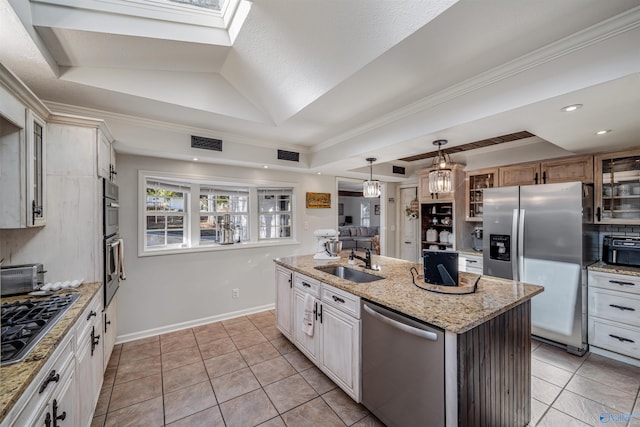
(113, 244)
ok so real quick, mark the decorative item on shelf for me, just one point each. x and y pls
(371, 188)
(440, 174)
(446, 220)
(432, 235)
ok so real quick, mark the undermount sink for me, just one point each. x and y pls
(349, 274)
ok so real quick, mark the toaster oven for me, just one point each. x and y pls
(621, 250)
(21, 279)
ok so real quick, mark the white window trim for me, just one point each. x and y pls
(194, 209)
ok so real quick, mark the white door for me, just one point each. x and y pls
(310, 345)
(409, 238)
(284, 292)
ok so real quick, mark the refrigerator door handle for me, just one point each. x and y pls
(521, 246)
(514, 245)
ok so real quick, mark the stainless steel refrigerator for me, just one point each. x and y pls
(543, 234)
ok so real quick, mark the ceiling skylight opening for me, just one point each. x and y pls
(207, 4)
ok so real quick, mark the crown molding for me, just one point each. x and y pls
(70, 119)
(170, 127)
(21, 91)
(612, 27)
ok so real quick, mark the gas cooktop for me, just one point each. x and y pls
(25, 323)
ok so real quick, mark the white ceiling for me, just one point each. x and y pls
(341, 80)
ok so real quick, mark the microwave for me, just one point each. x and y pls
(621, 250)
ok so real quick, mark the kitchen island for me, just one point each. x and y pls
(487, 334)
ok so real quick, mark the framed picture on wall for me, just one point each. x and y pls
(376, 210)
(318, 200)
(340, 208)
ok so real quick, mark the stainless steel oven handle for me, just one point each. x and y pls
(114, 244)
(114, 205)
(431, 336)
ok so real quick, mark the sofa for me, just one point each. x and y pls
(356, 237)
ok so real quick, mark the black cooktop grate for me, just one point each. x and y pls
(25, 323)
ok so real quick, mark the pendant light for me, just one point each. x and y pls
(371, 188)
(440, 174)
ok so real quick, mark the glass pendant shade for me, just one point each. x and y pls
(371, 188)
(440, 174)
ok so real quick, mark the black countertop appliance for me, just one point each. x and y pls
(621, 250)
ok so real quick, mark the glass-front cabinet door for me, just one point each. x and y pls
(36, 170)
(617, 182)
(477, 181)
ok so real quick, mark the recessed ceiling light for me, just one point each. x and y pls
(195, 159)
(573, 107)
(319, 173)
(266, 166)
(602, 132)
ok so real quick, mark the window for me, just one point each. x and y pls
(275, 218)
(365, 214)
(224, 215)
(165, 214)
(196, 214)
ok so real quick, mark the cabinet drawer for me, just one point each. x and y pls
(306, 284)
(52, 376)
(615, 337)
(614, 282)
(89, 317)
(343, 301)
(617, 306)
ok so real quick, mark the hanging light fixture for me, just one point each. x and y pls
(371, 188)
(440, 174)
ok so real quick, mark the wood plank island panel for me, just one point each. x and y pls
(494, 371)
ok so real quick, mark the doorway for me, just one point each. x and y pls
(357, 214)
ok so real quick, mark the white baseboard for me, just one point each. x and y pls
(615, 356)
(190, 324)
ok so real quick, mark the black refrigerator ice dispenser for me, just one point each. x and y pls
(500, 247)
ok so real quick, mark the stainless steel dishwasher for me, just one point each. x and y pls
(402, 368)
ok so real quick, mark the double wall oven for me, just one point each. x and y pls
(113, 244)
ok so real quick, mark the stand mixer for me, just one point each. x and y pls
(324, 236)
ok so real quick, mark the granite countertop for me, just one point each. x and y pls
(454, 313)
(469, 251)
(617, 269)
(15, 378)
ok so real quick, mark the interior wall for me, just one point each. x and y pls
(166, 290)
(69, 245)
(352, 208)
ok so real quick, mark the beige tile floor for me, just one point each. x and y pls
(243, 372)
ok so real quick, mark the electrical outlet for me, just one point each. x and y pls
(235, 293)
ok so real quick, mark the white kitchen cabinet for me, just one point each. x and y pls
(61, 410)
(110, 324)
(53, 381)
(470, 263)
(614, 326)
(334, 346)
(106, 158)
(23, 172)
(89, 359)
(308, 344)
(284, 300)
(341, 330)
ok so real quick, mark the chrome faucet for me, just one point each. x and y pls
(366, 259)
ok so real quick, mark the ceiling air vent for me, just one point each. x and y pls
(206, 143)
(291, 156)
(399, 170)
